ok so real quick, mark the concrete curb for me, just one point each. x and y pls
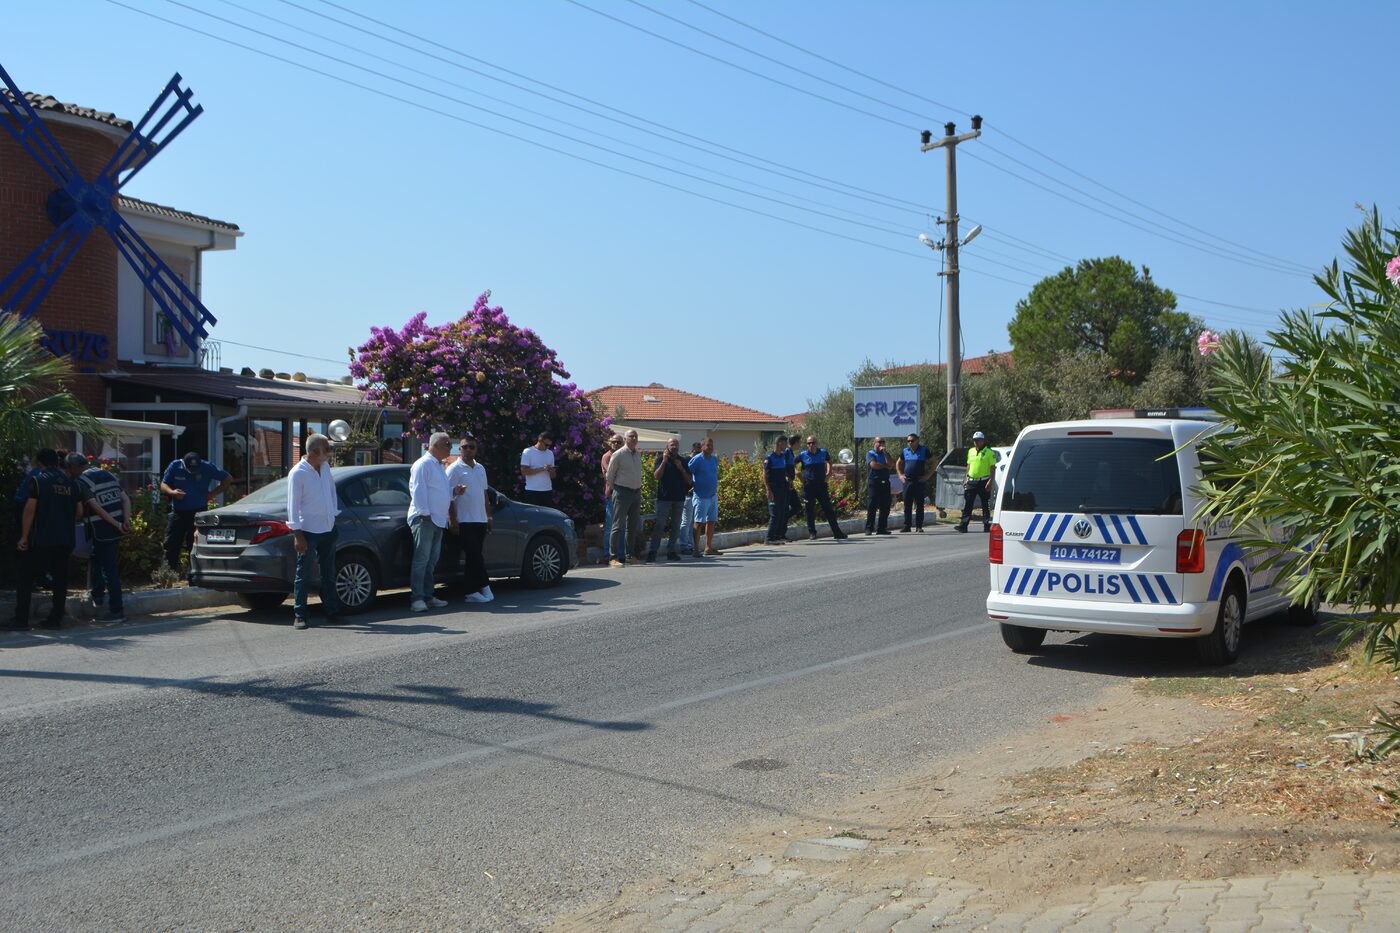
(139, 603)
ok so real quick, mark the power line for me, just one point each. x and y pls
(300, 356)
(1266, 256)
(738, 67)
(778, 168)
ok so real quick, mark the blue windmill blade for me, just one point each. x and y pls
(147, 139)
(31, 133)
(181, 307)
(27, 283)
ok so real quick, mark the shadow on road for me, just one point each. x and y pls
(1270, 646)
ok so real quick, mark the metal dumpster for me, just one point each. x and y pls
(948, 480)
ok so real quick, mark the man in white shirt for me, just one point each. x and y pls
(471, 518)
(311, 510)
(537, 466)
(430, 499)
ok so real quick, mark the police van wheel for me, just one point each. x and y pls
(1222, 646)
(1021, 639)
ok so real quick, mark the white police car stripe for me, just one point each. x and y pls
(1139, 587)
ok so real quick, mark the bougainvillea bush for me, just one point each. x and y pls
(485, 375)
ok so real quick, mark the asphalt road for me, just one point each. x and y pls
(488, 767)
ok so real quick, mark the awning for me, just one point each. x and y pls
(647, 438)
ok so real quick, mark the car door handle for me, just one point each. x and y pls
(381, 518)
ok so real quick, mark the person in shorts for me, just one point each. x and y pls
(704, 473)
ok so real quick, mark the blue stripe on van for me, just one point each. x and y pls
(1147, 588)
(1103, 529)
(1011, 580)
(1048, 527)
(1025, 579)
(1166, 590)
(1060, 532)
(1118, 526)
(1137, 530)
(1030, 532)
(1128, 583)
(1228, 555)
(1040, 578)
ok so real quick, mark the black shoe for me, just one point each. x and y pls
(868, 532)
(811, 536)
(962, 529)
(905, 530)
(883, 531)
(673, 557)
(298, 623)
(650, 559)
(986, 529)
(840, 536)
(116, 618)
(919, 530)
(14, 626)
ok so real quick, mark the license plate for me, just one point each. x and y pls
(1083, 554)
(220, 535)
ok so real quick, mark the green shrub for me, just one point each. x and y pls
(743, 499)
(142, 551)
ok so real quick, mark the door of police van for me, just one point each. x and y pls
(1092, 514)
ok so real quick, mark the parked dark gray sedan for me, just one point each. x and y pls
(247, 547)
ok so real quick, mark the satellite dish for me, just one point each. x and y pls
(339, 430)
(845, 455)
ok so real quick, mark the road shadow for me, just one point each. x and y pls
(319, 699)
(1270, 646)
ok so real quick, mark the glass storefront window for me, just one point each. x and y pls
(266, 454)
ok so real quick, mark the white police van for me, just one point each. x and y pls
(1095, 531)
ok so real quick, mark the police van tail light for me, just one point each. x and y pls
(1191, 551)
(994, 545)
(270, 529)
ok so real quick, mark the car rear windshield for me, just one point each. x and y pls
(275, 491)
(1119, 475)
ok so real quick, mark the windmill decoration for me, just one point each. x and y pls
(78, 206)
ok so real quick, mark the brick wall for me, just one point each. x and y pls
(84, 298)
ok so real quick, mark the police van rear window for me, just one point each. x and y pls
(1112, 475)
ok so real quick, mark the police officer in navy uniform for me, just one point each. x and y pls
(912, 467)
(981, 461)
(816, 467)
(52, 508)
(877, 504)
(186, 482)
(775, 481)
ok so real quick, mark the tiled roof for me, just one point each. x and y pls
(235, 388)
(972, 366)
(798, 418)
(125, 203)
(44, 103)
(657, 402)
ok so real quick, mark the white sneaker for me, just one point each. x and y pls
(436, 603)
(477, 598)
(486, 591)
(418, 606)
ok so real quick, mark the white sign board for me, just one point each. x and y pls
(886, 411)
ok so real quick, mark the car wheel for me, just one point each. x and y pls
(263, 602)
(356, 581)
(1305, 614)
(1022, 639)
(545, 562)
(1222, 646)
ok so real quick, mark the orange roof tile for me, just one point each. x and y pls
(657, 402)
(971, 366)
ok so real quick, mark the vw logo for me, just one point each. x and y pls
(1083, 528)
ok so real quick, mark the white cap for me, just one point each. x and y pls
(978, 436)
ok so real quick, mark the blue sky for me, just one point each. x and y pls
(1257, 124)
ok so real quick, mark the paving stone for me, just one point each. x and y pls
(763, 865)
(881, 920)
(842, 842)
(788, 875)
(756, 896)
(819, 852)
(1231, 926)
(845, 917)
(952, 897)
(1014, 922)
(1187, 921)
(1335, 907)
(1096, 919)
(821, 906)
(1143, 917)
(921, 921)
(1342, 884)
(1281, 920)
(1237, 908)
(1255, 888)
(1157, 892)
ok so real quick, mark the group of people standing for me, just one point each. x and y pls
(687, 500)
(69, 505)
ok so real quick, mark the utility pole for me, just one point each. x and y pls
(949, 142)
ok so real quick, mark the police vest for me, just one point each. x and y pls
(980, 462)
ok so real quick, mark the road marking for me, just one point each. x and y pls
(132, 840)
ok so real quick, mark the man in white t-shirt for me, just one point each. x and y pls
(537, 466)
(471, 518)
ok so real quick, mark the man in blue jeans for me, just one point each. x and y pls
(311, 510)
(108, 512)
(430, 497)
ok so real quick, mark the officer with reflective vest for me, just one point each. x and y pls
(981, 461)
